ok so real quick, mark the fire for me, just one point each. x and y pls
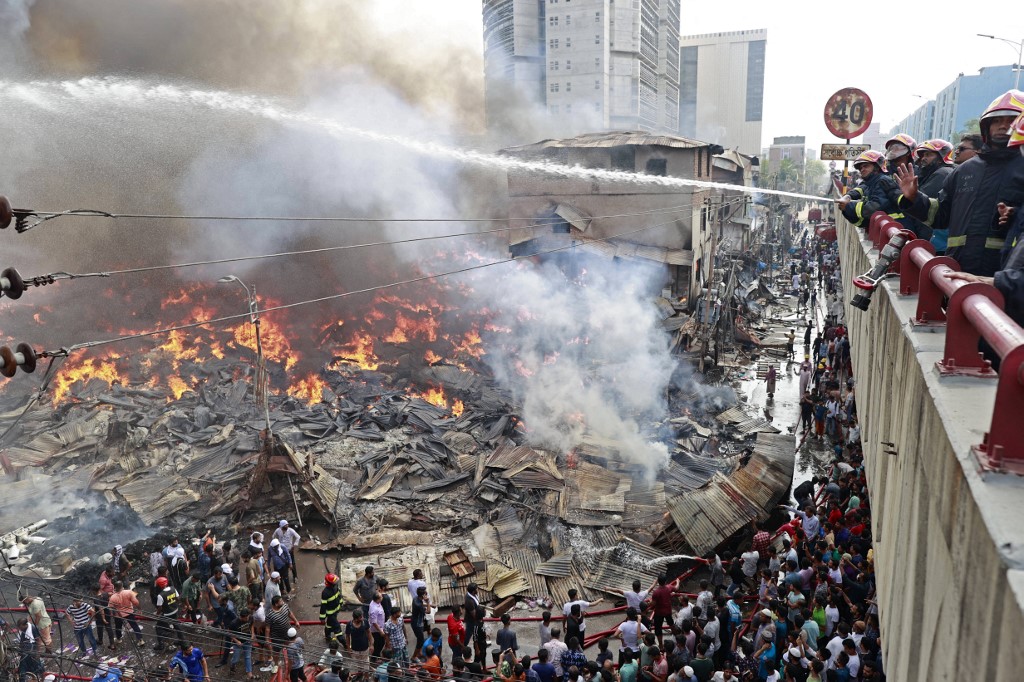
(103, 368)
(431, 357)
(310, 389)
(360, 352)
(471, 344)
(407, 328)
(436, 396)
(177, 386)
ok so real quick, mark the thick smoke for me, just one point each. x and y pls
(589, 359)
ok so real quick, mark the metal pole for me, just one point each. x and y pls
(1020, 54)
(261, 367)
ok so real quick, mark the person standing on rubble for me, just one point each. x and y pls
(40, 618)
(469, 604)
(167, 607)
(123, 603)
(364, 589)
(290, 541)
(191, 595)
(81, 615)
(769, 379)
(177, 564)
(575, 619)
(330, 606)
(280, 561)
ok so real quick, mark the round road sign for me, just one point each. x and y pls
(848, 113)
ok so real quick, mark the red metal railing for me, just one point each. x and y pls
(970, 311)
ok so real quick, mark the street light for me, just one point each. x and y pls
(260, 388)
(1019, 44)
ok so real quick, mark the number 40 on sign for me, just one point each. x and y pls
(848, 113)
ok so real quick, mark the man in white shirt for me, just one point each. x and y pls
(635, 596)
(631, 630)
(854, 665)
(289, 539)
(835, 645)
(416, 582)
(831, 617)
(556, 647)
(749, 561)
(584, 605)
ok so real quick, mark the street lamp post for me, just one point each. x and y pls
(1019, 44)
(260, 387)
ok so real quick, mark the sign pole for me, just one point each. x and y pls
(846, 171)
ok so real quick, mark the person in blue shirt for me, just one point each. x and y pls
(106, 673)
(435, 641)
(190, 659)
(765, 653)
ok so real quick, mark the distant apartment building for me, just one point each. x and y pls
(592, 64)
(721, 88)
(920, 125)
(956, 104)
(967, 96)
(792, 147)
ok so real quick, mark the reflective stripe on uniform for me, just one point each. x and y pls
(896, 216)
(961, 240)
(933, 210)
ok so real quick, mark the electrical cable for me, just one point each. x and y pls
(44, 216)
(64, 351)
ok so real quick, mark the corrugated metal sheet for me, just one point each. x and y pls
(526, 561)
(708, 516)
(573, 216)
(611, 139)
(732, 416)
(558, 566)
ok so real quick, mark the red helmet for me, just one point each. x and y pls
(161, 582)
(899, 145)
(330, 579)
(870, 156)
(939, 146)
(1010, 103)
(1017, 132)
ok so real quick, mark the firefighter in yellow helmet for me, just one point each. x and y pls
(968, 203)
(877, 191)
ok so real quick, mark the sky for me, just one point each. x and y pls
(816, 48)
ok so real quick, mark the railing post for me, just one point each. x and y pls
(961, 355)
(910, 273)
(1003, 447)
(930, 296)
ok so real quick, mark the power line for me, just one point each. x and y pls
(228, 318)
(22, 215)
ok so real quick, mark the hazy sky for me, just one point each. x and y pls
(816, 48)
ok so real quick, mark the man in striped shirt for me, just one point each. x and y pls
(81, 614)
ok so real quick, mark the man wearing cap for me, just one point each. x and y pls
(767, 625)
(273, 588)
(289, 539)
(280, 561)
(190, 660)
(295, 651)
(330, 605)
(215, 587)
(41, 619)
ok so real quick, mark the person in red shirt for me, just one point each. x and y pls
(661, 598)
(761, 542)
(456, 630)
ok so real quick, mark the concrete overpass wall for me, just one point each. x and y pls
(949, 539)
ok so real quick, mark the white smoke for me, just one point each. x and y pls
(588, 359)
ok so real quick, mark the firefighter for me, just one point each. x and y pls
(967, 205)
(330, 605)
(877, 191)
(899, 149)
(934, 164)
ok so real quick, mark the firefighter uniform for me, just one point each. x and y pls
(330, 605)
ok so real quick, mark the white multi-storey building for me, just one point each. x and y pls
(593, 64)
(721, 88)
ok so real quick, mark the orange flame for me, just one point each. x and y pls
(310, 389)
(84, 370)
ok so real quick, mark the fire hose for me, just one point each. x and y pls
(890, 253)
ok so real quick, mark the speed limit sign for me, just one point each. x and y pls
(848, 113)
